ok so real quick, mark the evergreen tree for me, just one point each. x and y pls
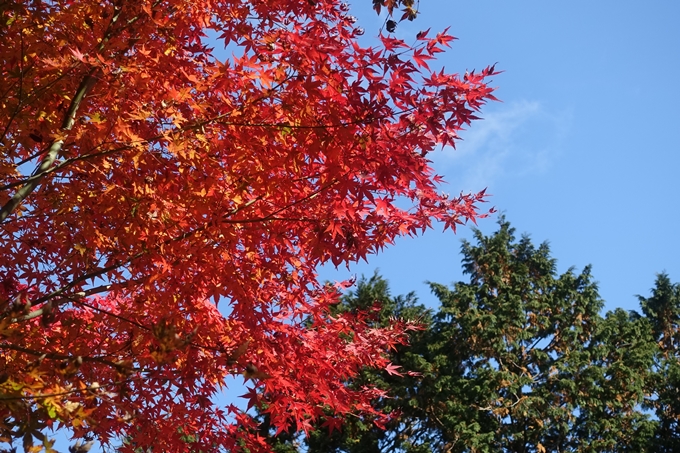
(523, 361)
(517, 359)
(662, 310)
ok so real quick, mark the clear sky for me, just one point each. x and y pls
(582, 151)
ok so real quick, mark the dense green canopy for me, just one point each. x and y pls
(518, 359)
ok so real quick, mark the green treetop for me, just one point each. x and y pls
(516, 359)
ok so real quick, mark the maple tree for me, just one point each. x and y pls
(144, 182)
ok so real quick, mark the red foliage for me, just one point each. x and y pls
(142, 181)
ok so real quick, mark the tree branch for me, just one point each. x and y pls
(40, 172)
(57, 356)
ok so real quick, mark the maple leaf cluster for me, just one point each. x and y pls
(143, 181)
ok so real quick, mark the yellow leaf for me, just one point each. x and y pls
(96, 118)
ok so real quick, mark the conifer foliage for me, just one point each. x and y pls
(143, 181)
(519, 359)
(662, 309)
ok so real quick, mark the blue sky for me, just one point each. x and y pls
(581, 152)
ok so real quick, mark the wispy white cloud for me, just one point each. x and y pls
(513, 140)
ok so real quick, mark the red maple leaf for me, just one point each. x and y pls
(392, 369)
(333, 424)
